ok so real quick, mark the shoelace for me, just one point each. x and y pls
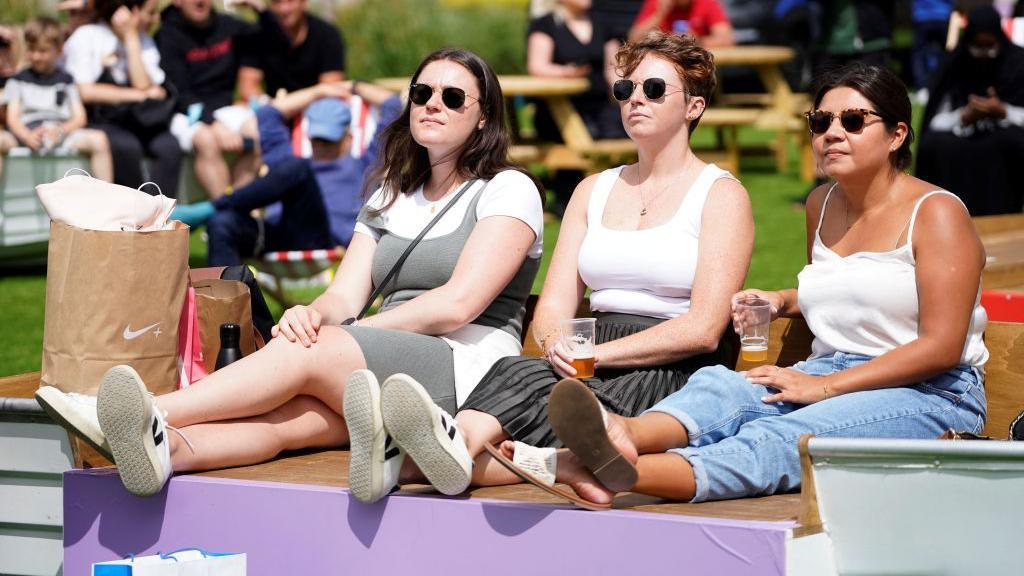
(172, 428)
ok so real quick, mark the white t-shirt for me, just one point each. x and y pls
(509, 193)
(95, 46)
(475, 348)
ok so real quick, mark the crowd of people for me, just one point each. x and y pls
(432, 387)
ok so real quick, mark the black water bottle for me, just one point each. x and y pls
(230, 336)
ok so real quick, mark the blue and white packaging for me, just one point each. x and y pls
(187, 562)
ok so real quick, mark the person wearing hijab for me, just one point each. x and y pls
(972, 141)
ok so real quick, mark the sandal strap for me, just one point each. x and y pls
(540, 462)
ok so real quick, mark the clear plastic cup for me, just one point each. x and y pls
(754, 316)
(578, 339)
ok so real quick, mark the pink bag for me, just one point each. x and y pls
(190, 350)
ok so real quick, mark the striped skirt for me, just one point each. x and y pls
(515, 390)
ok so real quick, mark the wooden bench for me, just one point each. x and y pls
(790, 342)
(1003, 238)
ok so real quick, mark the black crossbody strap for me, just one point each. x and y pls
(401, 259)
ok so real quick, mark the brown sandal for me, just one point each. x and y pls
(549, 488)
(577, 418)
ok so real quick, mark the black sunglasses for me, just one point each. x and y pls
(853, 119)
(654, 88)
(453, 98)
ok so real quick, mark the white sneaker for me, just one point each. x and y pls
(427, 433)
(76, 413)
(136, 431)
(374, 461)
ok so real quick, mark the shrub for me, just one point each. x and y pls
(390, 37)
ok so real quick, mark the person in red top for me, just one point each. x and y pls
(705, 19)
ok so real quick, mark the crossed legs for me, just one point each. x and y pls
(282, 397)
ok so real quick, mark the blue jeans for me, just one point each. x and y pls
(740, 446)
(302, 224)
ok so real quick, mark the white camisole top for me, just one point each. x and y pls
(645, 272)
(866, 303)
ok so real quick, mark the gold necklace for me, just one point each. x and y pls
(643, 201)
(434, 203)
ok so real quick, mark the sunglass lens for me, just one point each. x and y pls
(819, 121)
(623, 89)
(853, 120)
(654, 88)
(453, 98)
(420, 94)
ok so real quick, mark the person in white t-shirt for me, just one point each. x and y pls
(457, 298)
(116, 66)
(662, 245)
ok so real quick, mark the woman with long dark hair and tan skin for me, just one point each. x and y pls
(891, 293)
(452, 311)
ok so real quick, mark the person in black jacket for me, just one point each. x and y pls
(295, 50)
(201, 51)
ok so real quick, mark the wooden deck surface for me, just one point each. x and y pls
(330, 468)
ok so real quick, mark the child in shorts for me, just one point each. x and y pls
(44, 111)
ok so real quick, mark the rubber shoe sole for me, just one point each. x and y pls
(575, 416)
(410, 417)
(69, 421)
(366, 436)
(125, 414)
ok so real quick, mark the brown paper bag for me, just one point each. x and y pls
(220, 302)
(113, 298)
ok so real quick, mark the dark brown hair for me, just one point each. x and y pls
(403, 163)
(44, 29)
(696, 65)
(886, 92)
(105, 8)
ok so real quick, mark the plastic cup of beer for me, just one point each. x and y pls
(578, 340)
(754, 316)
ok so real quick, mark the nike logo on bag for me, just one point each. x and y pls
(130, 334)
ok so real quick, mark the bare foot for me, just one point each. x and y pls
(618, 433)
(571, 472)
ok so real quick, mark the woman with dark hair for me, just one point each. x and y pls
(972, 141)
(116, 66)
(662, 245)
(449, 313)
(903, 361)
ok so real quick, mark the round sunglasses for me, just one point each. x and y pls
(654, 88)
(852, 119)
(452, 97)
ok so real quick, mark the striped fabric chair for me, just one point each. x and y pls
(279, 271)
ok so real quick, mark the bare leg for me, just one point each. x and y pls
(659, 474)
(7, 142)
(211, 169)
(265, 380)
(247, 164)
(477, 428)
(101, 162)
(302, 422)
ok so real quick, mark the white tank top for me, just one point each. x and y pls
(645, 272)
(866, 303)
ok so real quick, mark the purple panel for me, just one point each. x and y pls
(300, 529)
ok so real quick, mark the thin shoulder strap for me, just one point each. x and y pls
(821, 217)
(917, 206)
(600, 193)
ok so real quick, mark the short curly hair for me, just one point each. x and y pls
(695, 64)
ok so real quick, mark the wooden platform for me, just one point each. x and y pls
(330, 468)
